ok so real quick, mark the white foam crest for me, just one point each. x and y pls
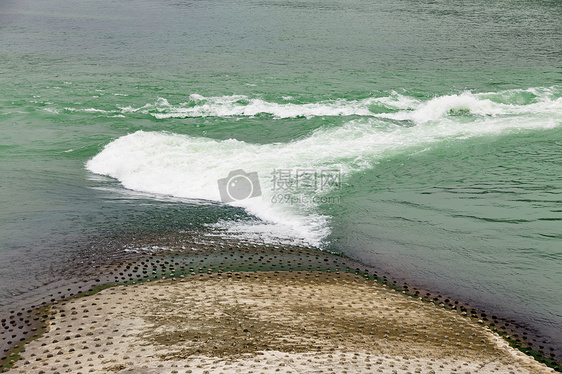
(442, 106)
(477, 105)
(241, 105)
(244, 106)
(160, 104)
(189, 167)
(91, 110)
(94, 110)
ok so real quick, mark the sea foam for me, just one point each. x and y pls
(189, 167)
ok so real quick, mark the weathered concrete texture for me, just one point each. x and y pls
(265, 322)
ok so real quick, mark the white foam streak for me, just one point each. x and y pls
(394, 106)
(238, 105)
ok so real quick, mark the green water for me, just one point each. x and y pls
(444, 118)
